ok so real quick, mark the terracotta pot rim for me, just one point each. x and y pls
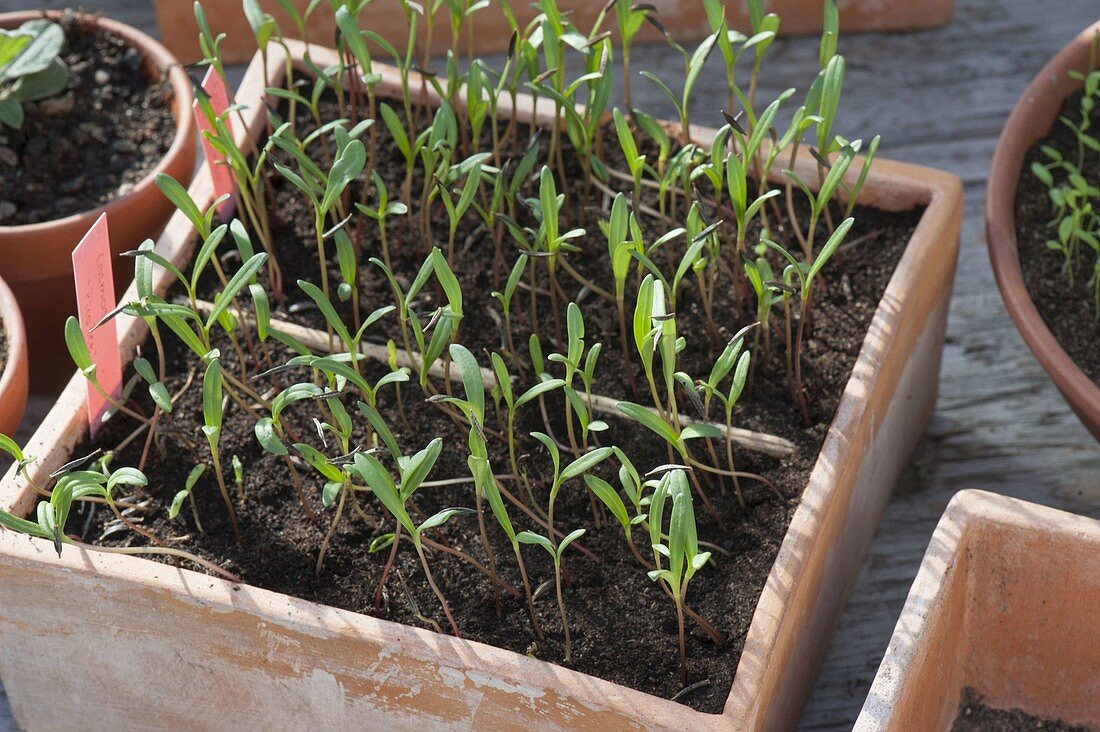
(15, 334)
(152, 51)
(1031, 119)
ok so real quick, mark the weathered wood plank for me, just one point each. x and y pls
(938, 98)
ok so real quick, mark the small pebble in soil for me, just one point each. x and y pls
(7, 210)
(36, 147)
(102, 77)
(57, 106)
(132, 59)
(95, 132)
(8, 157)
(73, 185)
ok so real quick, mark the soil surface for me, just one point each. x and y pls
(91, 144)
(3, 349)
(975, 716)
(623, 626)
(1070, 311)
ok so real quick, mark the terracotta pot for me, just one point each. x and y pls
(1031, 120)
(273, 658)
(13, 371)
(35, 258)
(684, 18)
(1004, 602)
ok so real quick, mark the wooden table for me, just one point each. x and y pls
(939, 99)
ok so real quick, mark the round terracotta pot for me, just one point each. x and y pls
(35, 259)
(1031, 120)
(13, 370)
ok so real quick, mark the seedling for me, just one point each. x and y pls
(185, 495)
(681, 552)
(513, 403)
(556, 549)
(694, 67)
(413, 471)
(805, 275)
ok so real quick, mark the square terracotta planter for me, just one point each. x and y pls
(683, 18)
(1004, 602)
(224, 655)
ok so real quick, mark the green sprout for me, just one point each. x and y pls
(394, 496)
(694, 67)
(681, 552)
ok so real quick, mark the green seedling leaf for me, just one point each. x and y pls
(327, 310)
(212, 393)
(268, 439)
(649, 419)
(472, 382)
(585, 463)
(530, 537)
(331, 492)
(236, 283)
(442, 517)
(381, 428)
(699, 429)
(610, 498)
(543, 387)
(830, 248)
(78, 347)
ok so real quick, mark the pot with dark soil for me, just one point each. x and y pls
(997, 632)
(1043, 226)
(90, 111)
(484, 517)
(13, 362)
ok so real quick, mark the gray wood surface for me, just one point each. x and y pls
(938, 98)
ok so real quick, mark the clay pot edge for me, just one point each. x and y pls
(13, 376)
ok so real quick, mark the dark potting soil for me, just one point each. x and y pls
(91, 144)
(1069, 311)
(623, 626)
(975, 716)
(3, 349)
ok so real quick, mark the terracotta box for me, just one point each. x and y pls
(258, 658)
(683, 18)
(1004, 602)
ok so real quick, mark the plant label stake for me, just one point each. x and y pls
(214, 87)
(95, 297)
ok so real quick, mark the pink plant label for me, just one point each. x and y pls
(214, 87)
(95, 297)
